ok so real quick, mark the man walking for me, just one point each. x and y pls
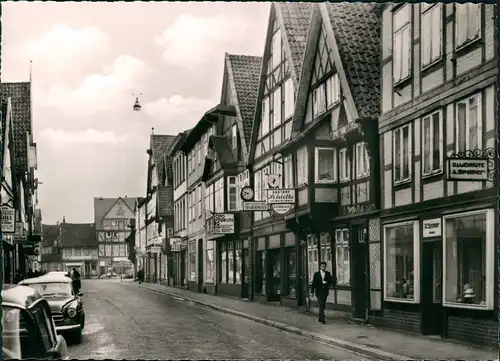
(321, 287)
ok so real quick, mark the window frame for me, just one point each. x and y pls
(429, 116)
(468, 39)
(265, 118)
(416, 262)
(490, 263)
(316, 165)
(344, 168)
(410, 154)
(232, 186)
(428, 11)
(199, 201)
(234, 136)
(319, 89)
(395, 32)
(304, 157)
(467, 121)
(362, 173)
(332, 85)
(345, 244)
(289, 99)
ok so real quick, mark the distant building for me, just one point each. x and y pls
(112, 217)
(50, 252)
(78, 243)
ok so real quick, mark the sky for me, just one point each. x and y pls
(90, 61)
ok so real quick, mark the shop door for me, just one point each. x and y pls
(183, 268)
(245, 274)
(359, 264)
(431, 288)
(200, 265)
(273, 275)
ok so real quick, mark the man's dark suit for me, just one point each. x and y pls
(321, 290)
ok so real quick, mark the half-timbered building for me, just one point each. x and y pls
(437, 140)
(275, 277)
(334, 150)
(224, 175)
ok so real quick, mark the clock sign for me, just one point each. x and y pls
(247, 193)
(273, 180)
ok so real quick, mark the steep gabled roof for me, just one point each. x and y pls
(293, 20)
(20, 94)
(243, 72)
(78, 235)
(159, 144)
(50, 233)
(103, 205)
(356, 28)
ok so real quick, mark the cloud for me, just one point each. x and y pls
(64, 47)
(192, 40)
(177, 112)
(90, 136)
(108, 90)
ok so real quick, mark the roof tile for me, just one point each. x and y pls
(50, 234)
(20, 94)
(223, 150)
(357, 31)
(103, 205)
(244, 72)
(159, 145)
(78, 235)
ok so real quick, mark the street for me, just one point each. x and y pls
(124, 321)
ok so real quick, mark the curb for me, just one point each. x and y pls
(371, 352)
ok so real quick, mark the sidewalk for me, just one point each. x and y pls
(364, 339)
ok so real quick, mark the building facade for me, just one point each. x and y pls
(16, 113)
(78, 244)
(50, 250)
(111, 219)
(438, 218)
(159, 207)
(178, 243)
(140, 232)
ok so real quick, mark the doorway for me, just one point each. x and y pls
(200, 265)
(359, 263)
(432, 288)
(245, 273)
(273, 275)
(183, 268)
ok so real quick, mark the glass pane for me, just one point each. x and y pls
(436, 141)
(427, 145)
(399, 266)
(461, 121)
(397, 154)
(473, 124)
(436, 32)
(326, 165)
(465, 252)
(406, 152)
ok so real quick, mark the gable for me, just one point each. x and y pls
(119, 210)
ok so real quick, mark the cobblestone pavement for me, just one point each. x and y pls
(377, 342)
(123, 321)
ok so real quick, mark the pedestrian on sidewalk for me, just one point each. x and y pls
(321, 287)
(140, 276)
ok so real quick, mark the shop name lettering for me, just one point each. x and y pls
(281, 197)
(468, 167)
(431, 225)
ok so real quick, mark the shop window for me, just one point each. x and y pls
(325, 170)
(437, 257)
(312, 257)
(192, 261)
(401, 262)
(261, 272)
(402, 154)
(238, 262)
(291, 256)
(431, 33)
(468, 23)
(401, 53)
(326, 250)
(209, 261)
(230, 261)
(432, 143)
(469, 260)
(468, 126)
(223, 263)
(342, 257)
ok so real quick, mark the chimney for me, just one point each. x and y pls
(64, 219)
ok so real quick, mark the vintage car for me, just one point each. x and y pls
(28, 330)
(66, 306)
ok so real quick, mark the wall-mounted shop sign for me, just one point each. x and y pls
(176, 244)
(8, 219)
(281, 196)
(431, 228)
(223, 223)
(255, 206)
(20, 235)
(472, 165)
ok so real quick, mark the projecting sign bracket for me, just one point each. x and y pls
(472, 165)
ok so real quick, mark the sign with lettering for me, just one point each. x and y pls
(20, 234)
(431, 228)
(280, 208)
(8, 219)
(255, 206)
(281, 196)
(223, 223)
(175, 244)
(468, 169)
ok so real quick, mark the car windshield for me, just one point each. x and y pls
(12, 331)
(52, 289)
